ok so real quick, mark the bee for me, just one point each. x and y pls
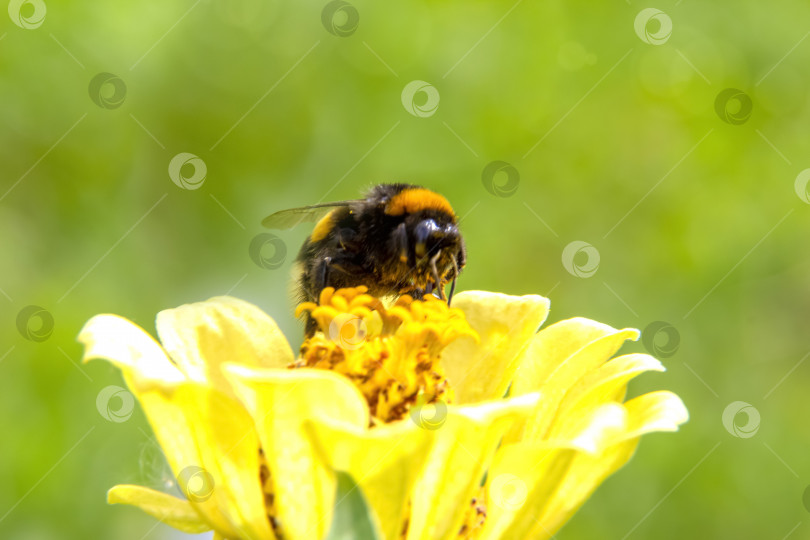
(399, 239)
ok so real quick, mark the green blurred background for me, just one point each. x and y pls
(613, 132)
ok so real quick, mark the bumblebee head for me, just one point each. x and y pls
(427, 240)
(430, 236)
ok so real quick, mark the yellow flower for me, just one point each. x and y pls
(462, 422)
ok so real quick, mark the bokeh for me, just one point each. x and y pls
(639, 166)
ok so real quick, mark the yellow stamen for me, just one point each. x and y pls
(392, 354)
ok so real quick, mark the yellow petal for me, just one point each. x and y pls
(228, 446)
(203, 433)
(170, 510)
(656, 411)
(609, 381)
(483, 370)
(129, 347)
(606, 384)
(464, 446)
(555, 360)
(200, 337)
(384, 461)
(280, 402)
(592, 431)
(520, 485)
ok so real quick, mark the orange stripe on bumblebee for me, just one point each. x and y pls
(412, 200)
(323, 227)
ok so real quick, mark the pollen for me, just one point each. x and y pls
(392, 354)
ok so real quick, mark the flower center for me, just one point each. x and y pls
(392, 354)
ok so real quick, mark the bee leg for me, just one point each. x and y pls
(321, 276)
(435, 273)
(453, 285)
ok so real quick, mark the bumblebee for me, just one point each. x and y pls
(399, 239)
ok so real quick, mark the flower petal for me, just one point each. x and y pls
(606, 384)
(130, 348)
(384, 461)
(529, 482)
(202, 432)
(464, 446)
(556, 359)
(609, 381)
(656, 411)
(228, 445)
(280, 402)
(200, 337)
(505, 324)
(593, 431)
(170, 510)
(520, 485)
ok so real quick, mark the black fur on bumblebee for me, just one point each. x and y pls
(399, 239)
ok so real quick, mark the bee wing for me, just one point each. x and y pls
(287, 219)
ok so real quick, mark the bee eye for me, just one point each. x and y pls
(425, 230)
